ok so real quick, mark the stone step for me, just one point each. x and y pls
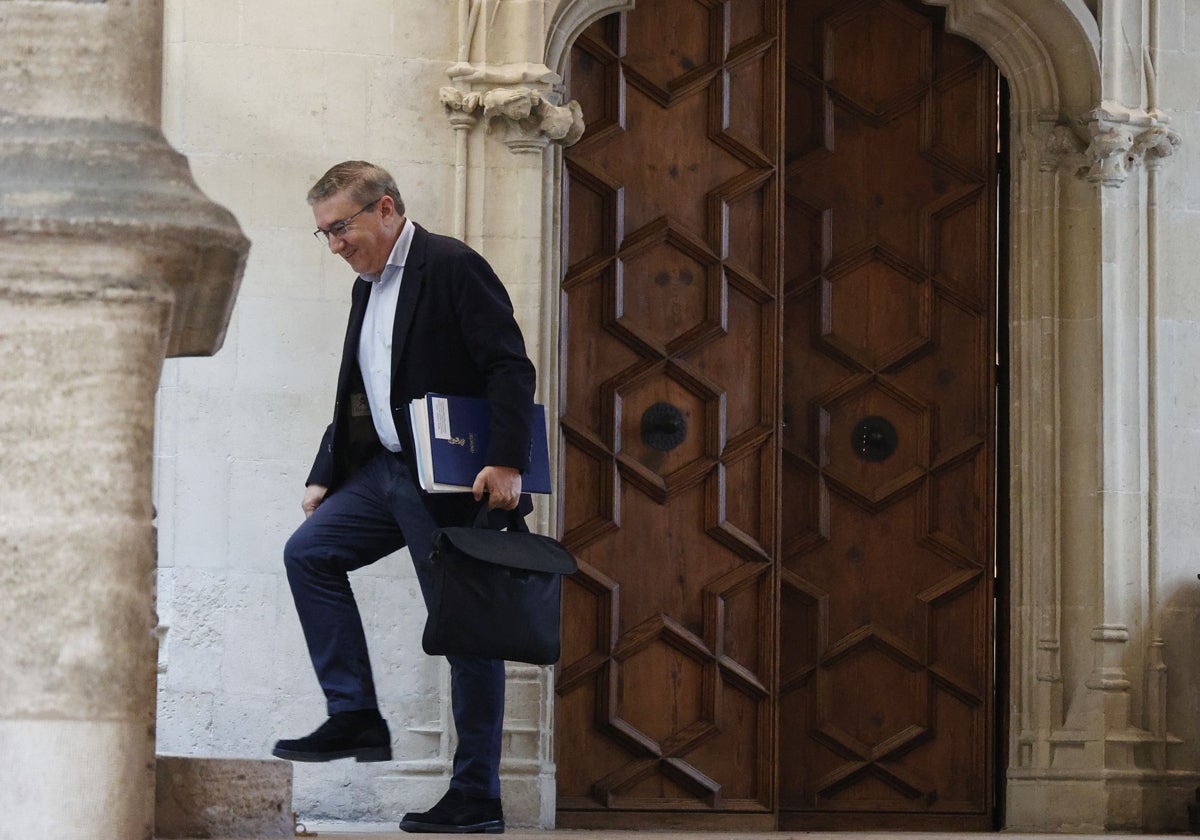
(222, 797)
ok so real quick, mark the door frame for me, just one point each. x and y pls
(1003, 621)
(1048, 50)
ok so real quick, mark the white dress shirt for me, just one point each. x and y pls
(375, 340)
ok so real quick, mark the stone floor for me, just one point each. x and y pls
(390, 832)
(527, 834)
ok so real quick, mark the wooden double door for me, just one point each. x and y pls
(778, 333)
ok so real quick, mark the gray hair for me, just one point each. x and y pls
(364, 181)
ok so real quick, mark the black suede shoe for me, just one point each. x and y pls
(362, 735)
(457, 813)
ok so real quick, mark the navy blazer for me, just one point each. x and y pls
(454, 333)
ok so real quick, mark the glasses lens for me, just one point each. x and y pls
(339, 228)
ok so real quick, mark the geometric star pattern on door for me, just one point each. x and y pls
(878, 684)
(667, 253)
(880, 664)
(701, 662)
(680, 293)
(663, 276)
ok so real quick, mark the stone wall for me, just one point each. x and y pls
(1176, 394)
(263, 95)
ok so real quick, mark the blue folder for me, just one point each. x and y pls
(451, 436)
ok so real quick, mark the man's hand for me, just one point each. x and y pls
(502, 484)
(314, 494)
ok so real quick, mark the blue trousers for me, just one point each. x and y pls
(377, 511)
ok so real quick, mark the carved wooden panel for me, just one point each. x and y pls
(888, 427)
(668, 411)
(783, 616)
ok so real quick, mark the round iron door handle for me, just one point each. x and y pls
(874, 439)
(663, 427)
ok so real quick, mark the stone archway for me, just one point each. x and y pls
(1074, 659)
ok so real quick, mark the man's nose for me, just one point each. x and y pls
(335, 243)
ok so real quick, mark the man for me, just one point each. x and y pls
(427, 314)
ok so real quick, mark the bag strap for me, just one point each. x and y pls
(515, 520)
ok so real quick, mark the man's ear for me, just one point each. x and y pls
(387, 207)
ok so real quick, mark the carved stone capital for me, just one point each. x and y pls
(1124, 138)
(1060, 143)
(1155, 144)
(530, 119)
(460, 107)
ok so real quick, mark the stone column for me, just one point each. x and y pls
(109, 258)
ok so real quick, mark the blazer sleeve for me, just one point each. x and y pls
(497, 349)
(322, 468)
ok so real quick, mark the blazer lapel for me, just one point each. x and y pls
(410, 291)
(358, 311)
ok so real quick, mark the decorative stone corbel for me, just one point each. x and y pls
(530, 119)
(1110, 153)
(1060, 143)
(498, 75)
(1122, 138)
(1155, 144)
(460, 106)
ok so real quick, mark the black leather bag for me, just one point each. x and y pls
(494, 593)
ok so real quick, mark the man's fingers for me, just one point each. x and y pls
(314, 494)
(502, 484)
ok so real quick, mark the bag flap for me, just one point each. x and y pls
(515, 549)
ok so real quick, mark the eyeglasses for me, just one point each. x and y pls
(339, 227)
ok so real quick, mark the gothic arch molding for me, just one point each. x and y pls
(568, 19)
(1048, 49)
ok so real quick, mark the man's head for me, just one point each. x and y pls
(358, 209)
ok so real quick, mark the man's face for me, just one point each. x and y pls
(367, 239)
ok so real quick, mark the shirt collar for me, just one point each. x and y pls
(398, 256)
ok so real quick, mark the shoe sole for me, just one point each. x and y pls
(489, 827)
(361, 754)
